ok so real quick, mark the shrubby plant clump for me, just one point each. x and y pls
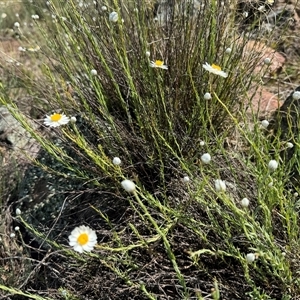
(163, 189)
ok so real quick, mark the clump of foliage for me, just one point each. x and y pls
(183, 233)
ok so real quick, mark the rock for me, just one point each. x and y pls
(261, 51)
(263, 102)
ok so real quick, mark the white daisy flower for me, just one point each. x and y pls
(56, 120)
(83, 238)
(186, 179)
(128, 185)
(296, 95)
(207, 96)
(245, 202)
(206, 158)
(94, 72)
(273, 165)
(113, 17)
(267, 61)
(73, 119)
(215, 69)
(265, 123)
(220, 185)
(158, 64)
(250, 257)
(116, 161)
(228, 50)
(18, 211)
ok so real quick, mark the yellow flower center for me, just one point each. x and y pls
(216, 67)
(56, 117)
(159, 63)
(82, 239)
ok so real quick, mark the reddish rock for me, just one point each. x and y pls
(263, 102)
(261, 51)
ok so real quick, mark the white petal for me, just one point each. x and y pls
(72, 238)
(87, 248)
(76, 231)
(93, 237)
(78, 248)
(73, 243)
(223, 74)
